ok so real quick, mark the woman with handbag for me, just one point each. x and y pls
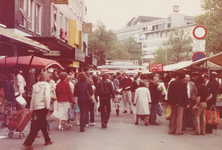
(40, 105)
(64, 100)
(80, 91)
(200, 107)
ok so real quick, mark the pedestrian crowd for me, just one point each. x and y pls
(57, 92)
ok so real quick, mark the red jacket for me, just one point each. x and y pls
(63, 92)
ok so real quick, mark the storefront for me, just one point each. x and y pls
(68, 56)
(90, 63)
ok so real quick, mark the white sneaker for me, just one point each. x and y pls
(77, 124)
(93, 124)
(87, 125)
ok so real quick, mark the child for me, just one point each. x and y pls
(118, 98)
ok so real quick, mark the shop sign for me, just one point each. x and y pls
(176, 8)
(52, 53)
(155, 67)
(79, 55)
(87, 28)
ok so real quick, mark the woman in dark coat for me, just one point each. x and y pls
(80, 91)
(10, 97)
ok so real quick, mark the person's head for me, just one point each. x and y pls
(55, 72)
(90, 81)
(181, 75)
(142, 84)
(105, 76)
(43, 76)
(124, 75)
(11, 77)
(95, 79)
(68, 79)
(187, 78)
(175, 74)
(194, 75)
(206, 77)
(200, 80)
(81, 76)
(63, 76)
(155, 79)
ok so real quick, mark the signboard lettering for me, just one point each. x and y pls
(60, 1)
(155, 67)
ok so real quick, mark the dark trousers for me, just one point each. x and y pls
(188, 117)
(153, 112)
(84, 113)
(91, 111)
(105, 108)
(40, 125)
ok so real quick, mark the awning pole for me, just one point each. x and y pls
(27, 81)
(5, 68)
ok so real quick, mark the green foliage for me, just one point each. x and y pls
(176, 48)
(211, 19)
(105, 46)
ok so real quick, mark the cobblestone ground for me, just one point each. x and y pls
(121, 134)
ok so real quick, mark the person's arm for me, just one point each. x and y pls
(47, 96)
(197, 102)
(90, 89)
(209, 97)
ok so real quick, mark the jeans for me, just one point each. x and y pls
(127, 98)
(91, 111)
(153, 112)
(105, 108)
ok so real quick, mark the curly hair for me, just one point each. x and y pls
(63, 76)
(81, 76)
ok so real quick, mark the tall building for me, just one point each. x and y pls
(57, 26)
(150, 32)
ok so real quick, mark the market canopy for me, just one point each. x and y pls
(213, 63)
(11, 37)
(23, 61)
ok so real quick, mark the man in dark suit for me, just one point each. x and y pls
(212, 102)
(178, 99)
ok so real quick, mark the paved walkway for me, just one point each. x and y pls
(121, 134)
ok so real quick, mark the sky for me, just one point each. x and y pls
(115, 14)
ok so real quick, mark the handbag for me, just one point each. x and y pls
(159, 109)
(21, 101)
(71, 114)
(168, 113)
(53, 96)
(212, 117)
(89, 97)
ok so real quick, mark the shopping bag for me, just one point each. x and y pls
(21, 101)
(71, 114)
(168, 112)
(212, 117)
(159, 109)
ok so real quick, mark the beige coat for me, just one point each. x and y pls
(142, 100)
(193, 91)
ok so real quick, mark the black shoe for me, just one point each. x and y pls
(146, 124)
(82, 130)
(136, 123)
(104, 125)
(124, 111)
(48, 143)
(131, 112)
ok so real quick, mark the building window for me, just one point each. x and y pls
(168, 25)
(30, 14)
(38, 18)
(22, 12)
(55, 19)
(61, 19)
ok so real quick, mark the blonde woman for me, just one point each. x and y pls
(40, 105)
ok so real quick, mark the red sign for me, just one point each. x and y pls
(155, 67)
(199, 32)
(198, 55)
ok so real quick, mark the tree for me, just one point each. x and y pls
(211, 19)
(177, 47)
(161, 55)
(133, 49)
(101, 41)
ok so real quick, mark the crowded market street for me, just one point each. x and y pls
(121, 134)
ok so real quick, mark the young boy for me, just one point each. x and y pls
(118, 98)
